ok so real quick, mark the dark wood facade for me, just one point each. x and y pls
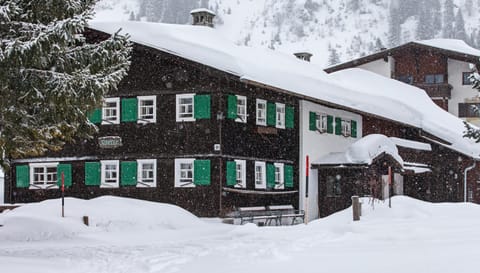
(164, 75)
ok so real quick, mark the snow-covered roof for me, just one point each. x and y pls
(352, 88)
(362, 152)
(202, 10)
(454, 45)
(411, 144)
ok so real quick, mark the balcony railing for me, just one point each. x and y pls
(436, 90)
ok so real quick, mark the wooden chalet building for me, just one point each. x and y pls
(441, 67)
(210, 126)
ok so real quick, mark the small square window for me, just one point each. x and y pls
(240, 174)
(466, 78)
(260, 175)
(280, 115)
(346, 127)
(185, 107)
(406, 79)
(146, 173)
(110, 173)
(184, 172)
(261, 112)
(241, 109)
(43, 176)
(321, 122)
(111, 111)
(279, 177)
(147, 108)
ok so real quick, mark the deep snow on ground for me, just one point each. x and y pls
(129, 235)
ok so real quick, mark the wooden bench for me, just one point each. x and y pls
(287, 212)
(268, 215)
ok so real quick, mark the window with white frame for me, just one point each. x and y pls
(322, 122)
(146, 173)
(241, 109)
(111, 111)
(185, 107)
(43, 175)
(260, 175)
(261, 112)
(184, 173)
(280, 115)
(240, 174)
(346, 127)
(147, 106)
(279, 179)
(110, 173)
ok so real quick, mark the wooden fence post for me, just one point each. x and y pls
(356, 208)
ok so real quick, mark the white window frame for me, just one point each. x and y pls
(346, 127)
(241, 117)
(279, 176)
(241, 174)
(141, 99)
(280, 115)
(260, 177)
(178, 107)
(260, 112)
(321, 122)
(104, 183)
(44, 185)
(178, 172)
(140, 178)
(108, 119)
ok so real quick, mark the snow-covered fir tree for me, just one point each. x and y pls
(448, 19)
(50, 77)
(459, 28)
(333, 57)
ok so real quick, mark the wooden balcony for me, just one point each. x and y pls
(437, 90)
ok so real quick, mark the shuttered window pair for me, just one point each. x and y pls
(267, 113)
(329, 124)
(43, 175)
(141, 109)
(190, 172)
(112, 173)
(275, 175)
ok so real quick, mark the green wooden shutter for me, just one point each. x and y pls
(271, 114)
(95, 116)
(201, 172)
(92, 173)
(330, 124)
(231, 173)
(338, 126)
(289, 117)
(313, 121)
(23, 176)
(270, 176)
(129, 110)
(232, 107)
(128, 173)
(353, 128)
(67, 174)
(288, 175)
(201, 107)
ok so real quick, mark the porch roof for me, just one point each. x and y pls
(362, 152)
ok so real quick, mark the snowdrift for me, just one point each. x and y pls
(43, 221)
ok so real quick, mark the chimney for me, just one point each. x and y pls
(202, 17)
(303, 56)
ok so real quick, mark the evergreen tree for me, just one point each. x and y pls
(132, 16)
(459, 30)
(424, 26)
(50, 77)
(378, 44)
(469, 7)
(448, 19)
(333, 57)
(394, 28)
(436, 11)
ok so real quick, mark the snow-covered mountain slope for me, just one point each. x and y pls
(347, 28)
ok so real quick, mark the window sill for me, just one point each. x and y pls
(43, 187)
(109, 186)
(185, 119)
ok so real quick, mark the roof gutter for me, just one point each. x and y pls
(467, 169)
